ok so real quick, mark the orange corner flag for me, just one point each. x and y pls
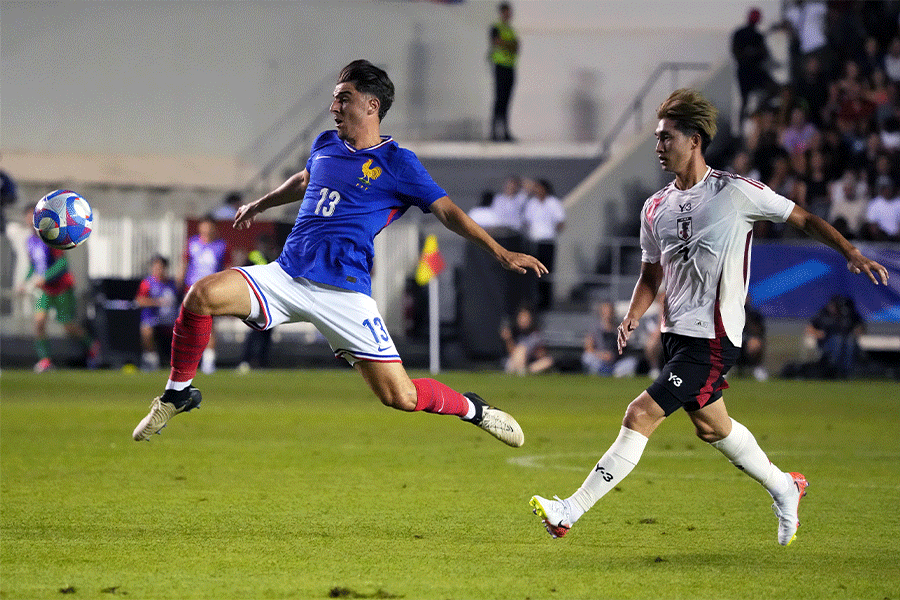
(431, 263)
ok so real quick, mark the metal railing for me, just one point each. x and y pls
(634, 110)
(309, 98)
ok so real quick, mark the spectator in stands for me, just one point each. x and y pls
(846, 36)
(849, 200)
(836, 328)
(229, 206)
(892, 60)
(883, 213)
(871, 59)
(854, 109)
(753, 345)
(740, 165)
(600, 352)
(158, 298)
(509, 205)
(484, 214)
(544, 219)
(839, 153)
(881, 93)
(812, 88)
(258, 342)
(748, 46)
(815, 181)
(878, 169)
(890, 132)
(524, 341)
(798, 136)
(807, 24)
(850, 77)
(763, 142)
(204, 254)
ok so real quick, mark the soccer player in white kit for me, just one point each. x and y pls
(696, 235)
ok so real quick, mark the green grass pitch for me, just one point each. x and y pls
(299, 484)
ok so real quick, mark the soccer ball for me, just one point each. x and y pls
(63, 219)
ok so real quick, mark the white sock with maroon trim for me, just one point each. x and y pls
(741, 448)
(612, 468)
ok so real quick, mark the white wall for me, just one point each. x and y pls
(205, 78)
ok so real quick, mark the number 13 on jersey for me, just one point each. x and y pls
(332, 197)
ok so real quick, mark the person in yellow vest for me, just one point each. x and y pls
(503, 54)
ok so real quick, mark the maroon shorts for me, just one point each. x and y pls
(694, 371)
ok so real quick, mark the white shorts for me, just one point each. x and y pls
(349, 320)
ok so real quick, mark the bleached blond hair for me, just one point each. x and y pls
(692, 114)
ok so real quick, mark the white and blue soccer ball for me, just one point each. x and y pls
(63, 219)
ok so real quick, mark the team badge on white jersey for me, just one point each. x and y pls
(684, 228)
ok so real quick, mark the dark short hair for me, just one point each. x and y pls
(369, 79)
(161, 259)
(548, 187)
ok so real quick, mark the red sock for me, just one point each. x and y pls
(435, 397)
(189, 340)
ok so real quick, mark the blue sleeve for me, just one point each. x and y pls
(321, 140)
(414, 184)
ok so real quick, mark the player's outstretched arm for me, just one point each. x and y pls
(457, 221)
(291, 190)
(818, 228)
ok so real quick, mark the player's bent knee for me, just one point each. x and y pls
(218, 294)
(709, 433)
(643, 415)
(401, 400)
(197, 300)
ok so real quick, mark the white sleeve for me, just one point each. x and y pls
(560, 212)
(650, 252)
(763, 204)
(870, 211)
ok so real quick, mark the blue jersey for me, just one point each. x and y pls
(352, 195)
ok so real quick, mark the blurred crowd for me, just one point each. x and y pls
(829, 139)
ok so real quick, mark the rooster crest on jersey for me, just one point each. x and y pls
(369, 172)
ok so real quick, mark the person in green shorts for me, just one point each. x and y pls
(50, 274)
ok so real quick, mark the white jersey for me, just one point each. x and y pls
(702, 238)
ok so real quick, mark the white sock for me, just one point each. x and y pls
(178, 385)
(741, 448)
(470, 414)
(612, 468)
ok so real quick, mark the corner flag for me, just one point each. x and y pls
(431, 262)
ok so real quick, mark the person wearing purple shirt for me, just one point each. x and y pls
(204, 254)
(158, 298)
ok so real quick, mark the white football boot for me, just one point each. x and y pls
(164, 408)
(496, 422)
(555, 513)
(787, 508)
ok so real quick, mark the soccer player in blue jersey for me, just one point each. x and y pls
(356, 182)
